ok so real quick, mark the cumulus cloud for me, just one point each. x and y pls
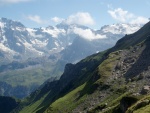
(36, 19)
(139, 20)
(57, 19)
(126, 17)
(120, 15)
(87, 34)
(12, 1)
(81, 18)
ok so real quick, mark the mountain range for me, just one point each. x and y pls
(112, 81)
(20, 43)
(30, 56)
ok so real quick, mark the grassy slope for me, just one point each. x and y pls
(25, 77)
(141, 106)
(32, 108)
(105, 68)
(79, 85)
(78, 95)
(66, 103)
(32, 75)
(145, 109)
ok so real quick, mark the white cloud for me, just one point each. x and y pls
(139, 20)
(121, 15)
(87, 34)
(126, 17)
(81, 18)
(12, 1)
(36, 19)
(57, 19)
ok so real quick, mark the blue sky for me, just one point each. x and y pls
(92, 13)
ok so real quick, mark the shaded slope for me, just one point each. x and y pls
(142, 63)
(7, 104)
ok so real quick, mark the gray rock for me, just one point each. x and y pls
(145, 89)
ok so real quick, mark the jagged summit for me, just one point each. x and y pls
(120, 28)
(10, 23)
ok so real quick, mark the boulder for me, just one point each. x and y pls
(145, 89)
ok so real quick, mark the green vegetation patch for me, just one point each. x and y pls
(26, 77)
(105, 68)
(68, 102)
(32, 108)
(141, 106)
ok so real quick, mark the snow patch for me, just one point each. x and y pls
(4, 39)
(121, 28)
(18, 44)
(69, 43)
(54, 32)
(20, 29)
(30, 48)
(39, 43)
(56, 43)
(2, 25)
(6, 49)
(62, 48)
(32, 33)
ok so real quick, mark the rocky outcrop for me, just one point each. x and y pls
(145, 89)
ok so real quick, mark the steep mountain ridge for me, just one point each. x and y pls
(100, 82)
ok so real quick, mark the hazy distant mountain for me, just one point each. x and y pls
(90, 41)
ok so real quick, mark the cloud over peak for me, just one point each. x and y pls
(36, 19)
(126, 17)
(81, 18)
(57, 19)
(88, 34)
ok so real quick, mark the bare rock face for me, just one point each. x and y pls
(145, 89)
(118, 66)
(129, 60)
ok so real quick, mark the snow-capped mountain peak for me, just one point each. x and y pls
(121, 28)
(17, 40)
